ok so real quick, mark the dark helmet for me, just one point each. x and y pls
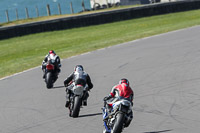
(80, 67)
(125, 81)
(51, 52)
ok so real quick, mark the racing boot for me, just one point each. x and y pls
(67, 104)
(85, 97)
(84, 102)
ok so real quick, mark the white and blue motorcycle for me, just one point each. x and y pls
(117, 114)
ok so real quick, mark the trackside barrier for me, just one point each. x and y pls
(98, 18)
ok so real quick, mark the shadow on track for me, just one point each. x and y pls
(88, 115)
(62, 86)
(159, 131)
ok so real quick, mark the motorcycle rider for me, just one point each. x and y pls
(121, 91)
(57, 63)
(79, 76)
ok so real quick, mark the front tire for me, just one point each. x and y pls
(49, 83)
(118, 125)
(76, 107)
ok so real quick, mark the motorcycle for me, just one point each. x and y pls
(77, 96)
(117, 114)
(50, 74)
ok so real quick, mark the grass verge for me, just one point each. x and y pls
(21, 53)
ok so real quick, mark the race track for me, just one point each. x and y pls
(164, 71)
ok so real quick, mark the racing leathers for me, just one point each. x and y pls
(122, 91)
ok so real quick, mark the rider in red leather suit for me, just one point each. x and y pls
(122, 90)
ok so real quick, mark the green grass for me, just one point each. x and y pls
(21, 53)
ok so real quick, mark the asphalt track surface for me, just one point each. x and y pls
(164, 71)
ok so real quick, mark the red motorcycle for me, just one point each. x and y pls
(50, 74)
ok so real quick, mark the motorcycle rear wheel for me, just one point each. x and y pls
(76, 108)
(49, 82)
